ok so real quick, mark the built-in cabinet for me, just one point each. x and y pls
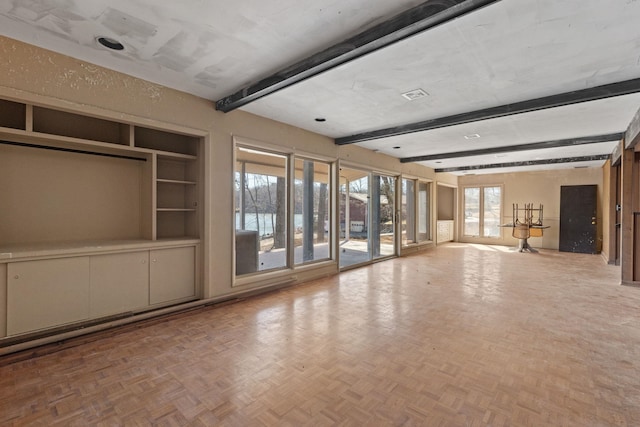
(47, 293)
(445, 231)
(99, 218)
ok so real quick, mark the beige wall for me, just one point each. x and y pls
(30, 74)
(446, 202)
(537, 188)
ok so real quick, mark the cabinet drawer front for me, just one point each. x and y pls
(42, 294)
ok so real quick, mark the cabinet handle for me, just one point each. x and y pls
(154, 260)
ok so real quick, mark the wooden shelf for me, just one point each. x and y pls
(62, 123)
(13, 114)
(166, 163)
(175, 181)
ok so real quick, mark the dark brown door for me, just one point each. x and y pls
(578, 221)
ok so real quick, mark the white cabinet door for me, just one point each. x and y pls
(445, 231)
(172, 274)
(46, 293)
(119, 283)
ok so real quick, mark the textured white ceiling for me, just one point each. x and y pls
(509, 51)
(208, 48)
(600, 117)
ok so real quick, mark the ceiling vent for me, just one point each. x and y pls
(415, 94)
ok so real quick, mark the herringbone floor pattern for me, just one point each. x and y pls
(461, 335)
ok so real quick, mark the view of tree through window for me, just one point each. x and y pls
(261, 210)
(311, 211)
(408, 211)
(482, 211)
(491, 211)
(424, 219)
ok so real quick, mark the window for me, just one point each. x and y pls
(482, 211)
(491, 212)
(311, 211)
(279, 225)
(261, 210)
(416, 217)
(408, 211)
(424, 219)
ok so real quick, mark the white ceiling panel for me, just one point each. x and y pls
(585, 119)
(603, 148)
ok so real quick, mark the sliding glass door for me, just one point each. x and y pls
(367, 225)
(415, 210)
(354, 214)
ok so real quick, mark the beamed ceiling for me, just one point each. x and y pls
(503, 85)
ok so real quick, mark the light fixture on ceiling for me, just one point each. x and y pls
(415, 94)
(397, 147)
(472, 136)
(320, 119)
(109, 43)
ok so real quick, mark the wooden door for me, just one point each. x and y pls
(578, 219)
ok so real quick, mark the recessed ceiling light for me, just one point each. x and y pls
(320, 119)
(110, 43)
(472, 136)
(415, 94)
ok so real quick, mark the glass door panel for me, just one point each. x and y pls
(472, 211)
(382, 236)
(354, 213)
(491, 211)
(424, 219)
(408, 209)
(311, 206)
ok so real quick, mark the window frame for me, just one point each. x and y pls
(481, 211)
(267, 277)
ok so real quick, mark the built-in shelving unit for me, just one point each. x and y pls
(105, 196)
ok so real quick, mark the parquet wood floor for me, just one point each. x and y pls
(461, 335)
